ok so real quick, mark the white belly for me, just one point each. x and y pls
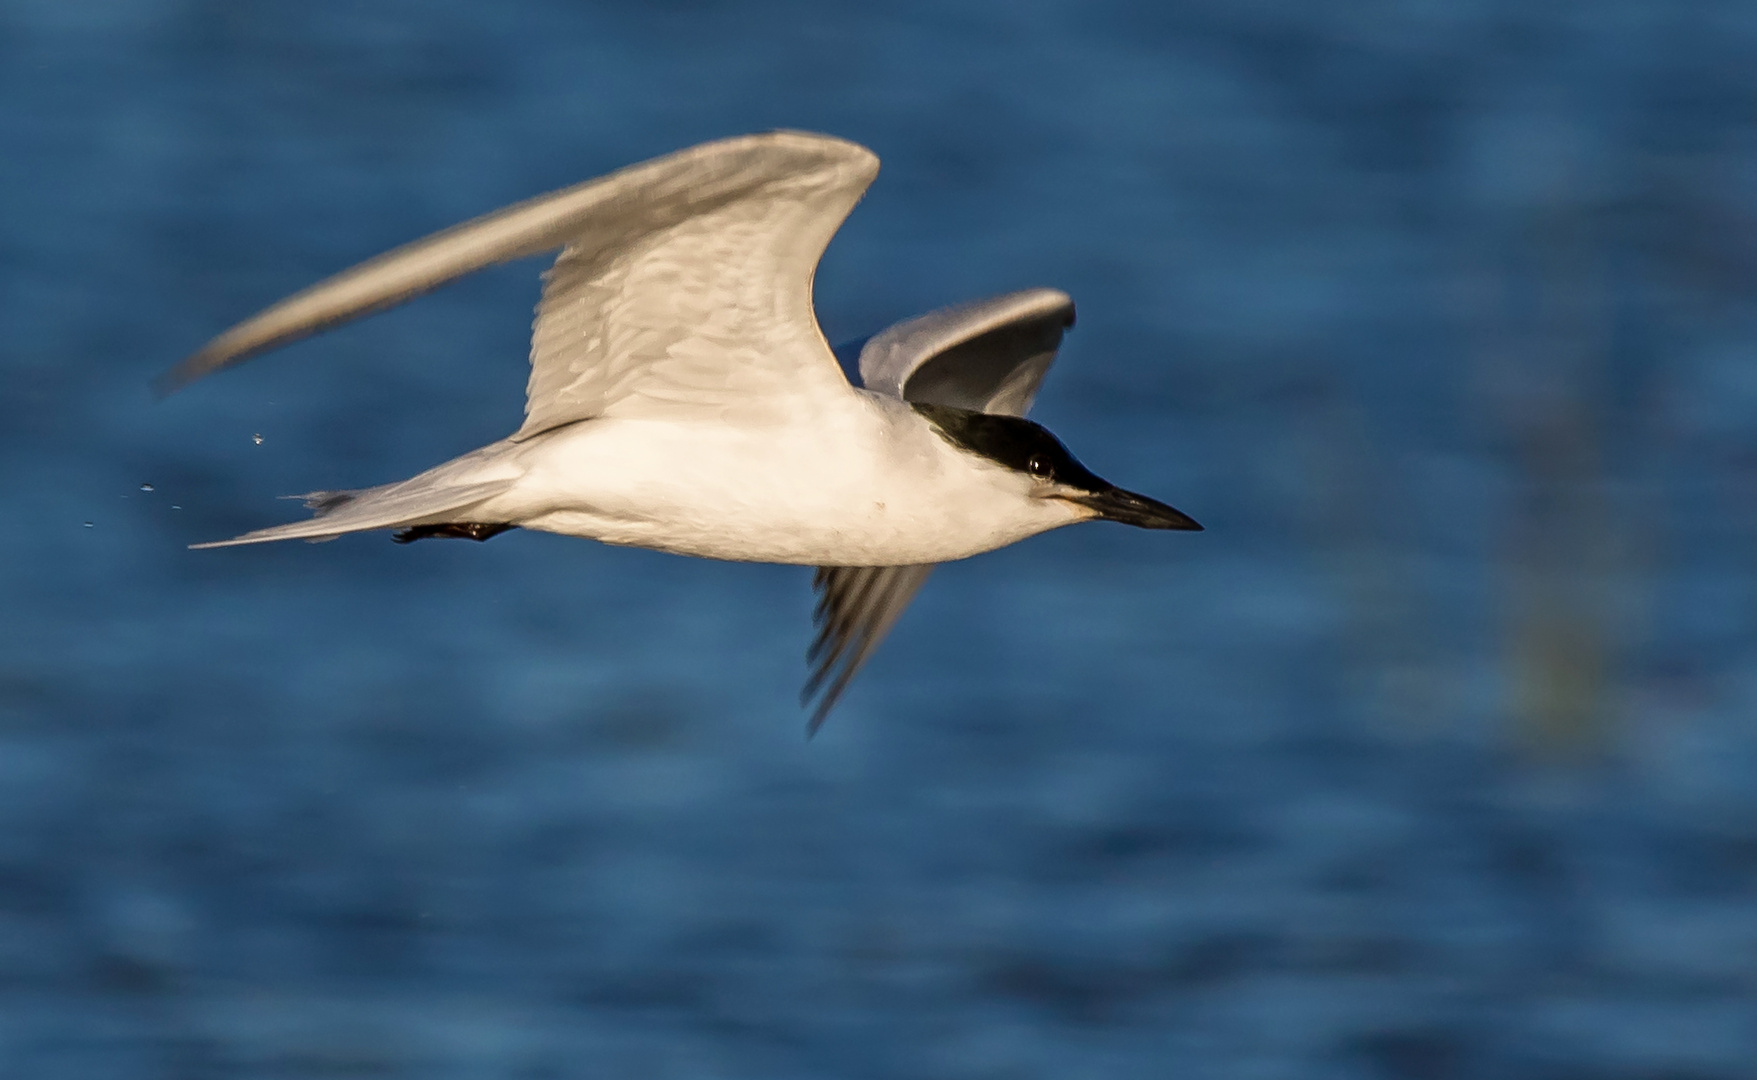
(872, 485)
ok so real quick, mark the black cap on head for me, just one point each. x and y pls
(1029, 448)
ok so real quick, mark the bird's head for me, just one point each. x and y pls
(1046, 469)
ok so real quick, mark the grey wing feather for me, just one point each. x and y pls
(856, 607)
(698, 299)
(990, 355)
(648, 197)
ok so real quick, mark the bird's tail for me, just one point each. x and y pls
(423, 500)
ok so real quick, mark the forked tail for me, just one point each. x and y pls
(415, 505)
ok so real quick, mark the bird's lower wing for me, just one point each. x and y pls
(990, 356)
(857, 605)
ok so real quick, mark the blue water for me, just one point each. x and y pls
(1432, 758)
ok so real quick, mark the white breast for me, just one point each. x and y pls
(865, 483)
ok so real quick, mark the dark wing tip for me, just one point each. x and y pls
(832, 693)
(856, 607)
(228, 350)
(170, 381)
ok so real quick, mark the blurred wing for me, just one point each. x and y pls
(683, 278)
(989, 355)
(695, 291)
(856, 607)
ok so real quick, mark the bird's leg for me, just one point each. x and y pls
(463, 530)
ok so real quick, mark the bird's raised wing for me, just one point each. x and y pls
(696, 291)
(684, 281)
(989, 355)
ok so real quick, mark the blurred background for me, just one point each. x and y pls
(1434, 757)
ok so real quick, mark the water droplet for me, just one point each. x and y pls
(146, 487)
(257, 439)
(88, 524)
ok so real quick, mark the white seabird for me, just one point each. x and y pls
(683, 398)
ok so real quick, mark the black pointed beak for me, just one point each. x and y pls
(1115, 504)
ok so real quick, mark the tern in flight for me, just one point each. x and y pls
(682, 397)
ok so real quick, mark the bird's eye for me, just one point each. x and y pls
(1039, 467)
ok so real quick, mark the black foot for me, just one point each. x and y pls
(463, 530)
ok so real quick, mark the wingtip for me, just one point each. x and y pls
(827, 696)
(166, 383)
(816, 721)
(847, 150)
(190, 368)
(820, 710)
